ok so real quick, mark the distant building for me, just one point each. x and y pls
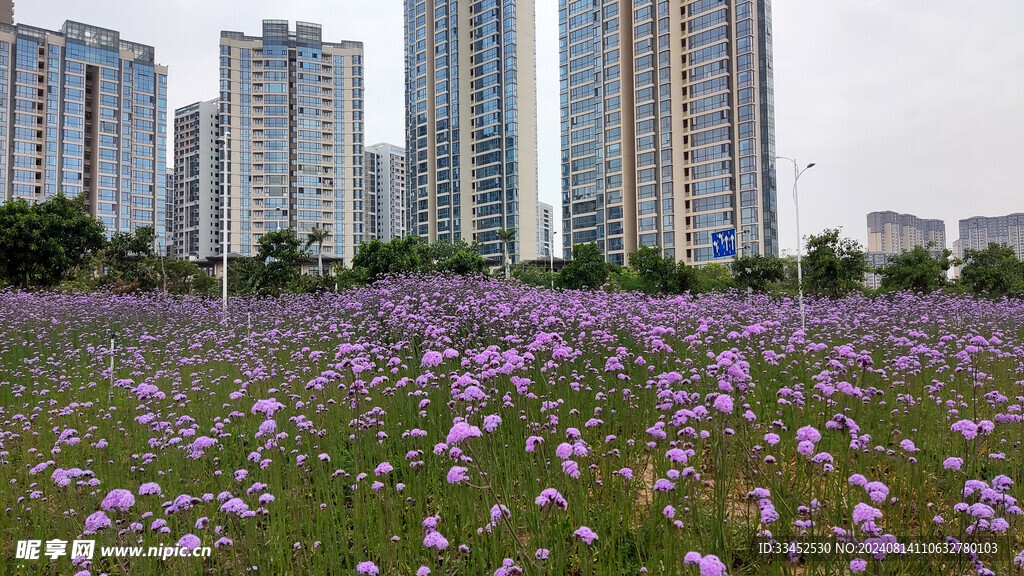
(292, 105)
(876, 260)
(890, 233)
(958, 252)
(978, 232)
(545, 236)
(197, 194)
(84, 112)
(7, 11)
(386, 191)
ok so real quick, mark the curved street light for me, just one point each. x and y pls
(797, 173)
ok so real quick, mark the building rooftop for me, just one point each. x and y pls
(305, 34)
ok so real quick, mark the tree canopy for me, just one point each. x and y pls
(917, 270)
(43, 243)
(993, 271)
(758, 272)
(834, 266)
(586, 270)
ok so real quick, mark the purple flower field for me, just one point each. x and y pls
(466, 426)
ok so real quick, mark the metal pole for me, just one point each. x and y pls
(797, 172)
(799, 247)
(551, 257)
(224, 220)
(110, 388)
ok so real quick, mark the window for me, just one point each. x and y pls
(702, 6)
(713, 169)
(711, 186)
(708, 54)
(709, 120)
(709, 37)
(708, 20)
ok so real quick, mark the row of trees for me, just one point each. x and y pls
(47, 244)
(833, 266)
(276, 267)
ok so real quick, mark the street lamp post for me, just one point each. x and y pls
(551, 257)
(797, 173)
(223, 141)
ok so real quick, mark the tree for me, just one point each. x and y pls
(40, 244)
(456, 258)
(126, 258)
(758, 272)
(917, 270)
(995, 271)
(656, 272)
(184, 277)
(318, 236)
(833, 266)
(712, 277)
(400, 255)
(281, 253)
(246, 276)
(685, 278)
(587, 269)
(507, 237)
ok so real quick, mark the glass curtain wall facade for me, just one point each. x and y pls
(292, 106)
(667, 126)
(84, 112)
(471, 122)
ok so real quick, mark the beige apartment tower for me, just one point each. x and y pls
(667, 126)
(471, 123)
(892, 233)
(292, 111)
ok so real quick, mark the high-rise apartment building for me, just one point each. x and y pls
(545, 228)
(892, 233)
(6, 11)
(471, 122)
(197, 197)
(958, 252)
(292, 108)
(84, 112)
(386, 191)
(667, 125)
(978, 232)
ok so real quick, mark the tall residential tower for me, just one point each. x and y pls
(197, 198)
(84, 112)
(292, 107)
(667, 125)
(545, 228)
(471, 122)
(892, 233)
(978, 232)
(386, 191)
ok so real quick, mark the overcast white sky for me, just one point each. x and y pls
(908, 105)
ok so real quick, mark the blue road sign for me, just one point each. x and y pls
(723, 243)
